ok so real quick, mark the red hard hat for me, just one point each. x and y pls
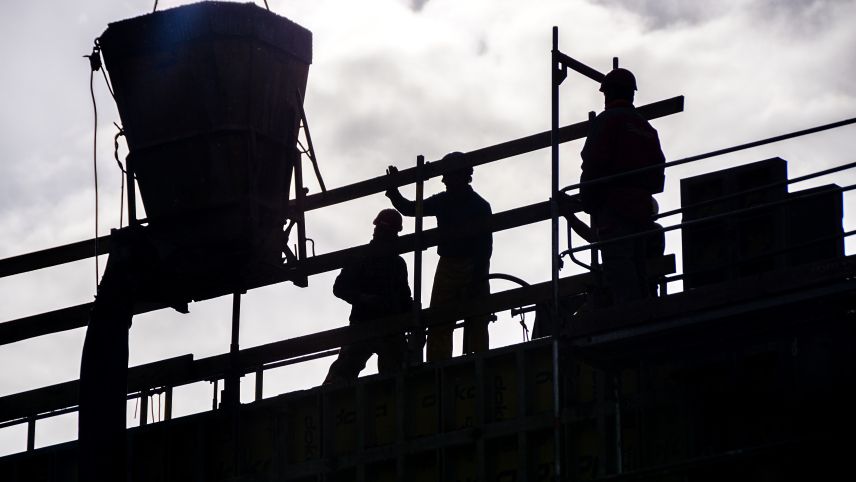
(390, 219)
(618, 79)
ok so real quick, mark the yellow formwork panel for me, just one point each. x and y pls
(461, 464)
(257, 442)
(423, 405)
(342, 415)
(503, 459)
(629, 382)
(304, 429)
(422, 467)
(380, 413)
(539, 379)
(586, 446)
(586, 382)
(382, 472)
(541, 461)
(502, 388)
(459, 396)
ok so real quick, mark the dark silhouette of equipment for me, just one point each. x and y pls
(210, 99)
(797, 228)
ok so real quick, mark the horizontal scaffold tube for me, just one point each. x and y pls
(184, 370)
(78, 316)
(86, 249)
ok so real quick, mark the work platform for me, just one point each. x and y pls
(734, 381)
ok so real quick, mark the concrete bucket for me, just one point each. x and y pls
(210, 99)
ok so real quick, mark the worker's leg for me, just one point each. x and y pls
(621, 268)
(390, 354)
(351, 360)
(623, 259)
(415, 345)
(439, 342)
(476, 337)
(451, 280)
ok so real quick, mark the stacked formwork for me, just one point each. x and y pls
(747, 396)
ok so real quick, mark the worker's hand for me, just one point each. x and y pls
(391, 192)
(570, 203)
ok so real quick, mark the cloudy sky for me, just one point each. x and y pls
(392, 79)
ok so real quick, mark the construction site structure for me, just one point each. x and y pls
(743, 375)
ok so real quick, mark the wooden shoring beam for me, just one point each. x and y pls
(86, 249)
(78, 316)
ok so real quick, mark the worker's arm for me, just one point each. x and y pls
(347, 285)
(569, 206)
(405, 297)
(580, 228)
(406, 207)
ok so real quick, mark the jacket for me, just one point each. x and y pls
(621, 140)
(453, 212)
(375, 285)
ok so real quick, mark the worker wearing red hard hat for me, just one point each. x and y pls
(376, 286)
(621, 140)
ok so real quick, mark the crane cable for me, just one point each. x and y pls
(95, 65)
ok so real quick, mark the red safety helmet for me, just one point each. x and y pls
(618, 79)
(390, 219)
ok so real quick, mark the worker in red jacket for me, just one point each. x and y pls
(621, 140)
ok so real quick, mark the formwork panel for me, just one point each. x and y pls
(459, 396)
(422, 401)
(380, 412)
(539, 379)
(460, 463)
(502, 461)
(586, 449)
(422, 467)
(341, 421)
(382, 472)
(501, 379)
(540, 456)
(304, 429)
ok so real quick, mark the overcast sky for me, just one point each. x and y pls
(392, 79)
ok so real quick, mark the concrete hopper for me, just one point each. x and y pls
(209, 95)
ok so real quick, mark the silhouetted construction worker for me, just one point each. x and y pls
(375, 286)
(464, 262)
(621, 140)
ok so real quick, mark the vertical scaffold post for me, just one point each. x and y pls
(418, 332)
(555, 80)
(554, 176)
(131, 191)
(417, 236)
(31, 433)
(168, 406)
(300, 219)
(232, 390)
